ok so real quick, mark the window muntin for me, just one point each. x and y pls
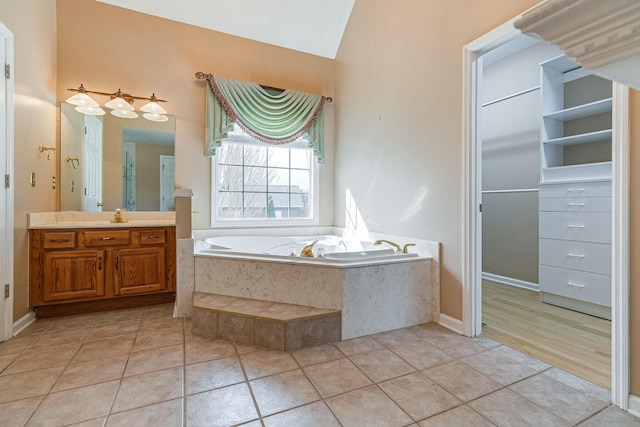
(261, 184)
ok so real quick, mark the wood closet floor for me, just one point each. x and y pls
(572, 341)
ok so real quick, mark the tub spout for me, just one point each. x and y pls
(308, 250)
(388, 242)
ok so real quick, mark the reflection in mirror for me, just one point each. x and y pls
(108, 162)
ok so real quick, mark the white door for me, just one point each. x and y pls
(6, 192)
(167, 174)
(92, 171)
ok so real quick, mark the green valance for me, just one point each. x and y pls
(272, 117)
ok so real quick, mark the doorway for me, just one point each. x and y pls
(512, 311)
(472, 216)
(6, 195)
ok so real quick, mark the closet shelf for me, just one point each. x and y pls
(579, 172)
(582, 111)
(582, 138)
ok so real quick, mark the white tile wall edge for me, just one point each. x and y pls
(634, 405)
(23, 323)
(510, 281)
(450, 323)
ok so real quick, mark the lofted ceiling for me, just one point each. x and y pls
(310, 26)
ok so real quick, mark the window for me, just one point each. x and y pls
(260, 184)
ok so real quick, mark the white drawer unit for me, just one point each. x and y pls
(581, 285)
(580, 226)
(575, 204)
(576, 189)
(584, 256)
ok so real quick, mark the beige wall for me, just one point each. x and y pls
(399, 128)
(399, 120)
(148, 54)
(34, 28)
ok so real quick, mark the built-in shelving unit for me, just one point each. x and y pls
(575, 188)
(576, 111)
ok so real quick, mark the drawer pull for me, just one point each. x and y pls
(107, 238)
(576, 285)
(59, 240)
(99, 263)
(575, 226)
(571, 190)
(576, 204)
(575, 255)
(152, 237)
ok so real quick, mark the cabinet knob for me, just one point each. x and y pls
(117, 263)
(99, 263)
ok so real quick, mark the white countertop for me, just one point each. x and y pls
(67, 219)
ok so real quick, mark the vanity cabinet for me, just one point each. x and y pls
(80, 270)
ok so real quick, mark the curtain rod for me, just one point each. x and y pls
(201, 76)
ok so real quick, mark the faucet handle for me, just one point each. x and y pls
(405, 248)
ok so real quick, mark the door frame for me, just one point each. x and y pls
(472, 218)
(6, 146)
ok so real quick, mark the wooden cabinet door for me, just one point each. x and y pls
(73, 275)
(139, 270)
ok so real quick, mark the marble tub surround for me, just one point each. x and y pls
(373, 298)
(273, 325)
(185, 272)
(424, 248)
(72, 219)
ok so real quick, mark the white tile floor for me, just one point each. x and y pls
(141, 367)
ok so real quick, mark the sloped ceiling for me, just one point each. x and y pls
(311, 26)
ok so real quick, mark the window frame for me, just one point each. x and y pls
(314, 195)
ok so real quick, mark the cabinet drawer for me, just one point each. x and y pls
(106, 238)
(59, 240)
(576, 189)
(590, 287)
(580, 226)
(585, 256)
(152, 237)
(577, 204)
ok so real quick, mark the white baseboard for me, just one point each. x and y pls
(510, 281)
(634, 405)
(23, 323)
(450, 323)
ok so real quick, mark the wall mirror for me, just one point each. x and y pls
(107, 162)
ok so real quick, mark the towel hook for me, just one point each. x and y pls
(49, 150)
(74, 161)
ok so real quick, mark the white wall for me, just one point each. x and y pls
(511, 161)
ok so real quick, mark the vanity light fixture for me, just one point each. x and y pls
(121, 105)
(153, 111)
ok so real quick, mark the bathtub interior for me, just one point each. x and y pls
(330, 246)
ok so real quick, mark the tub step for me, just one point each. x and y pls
(274, 325)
